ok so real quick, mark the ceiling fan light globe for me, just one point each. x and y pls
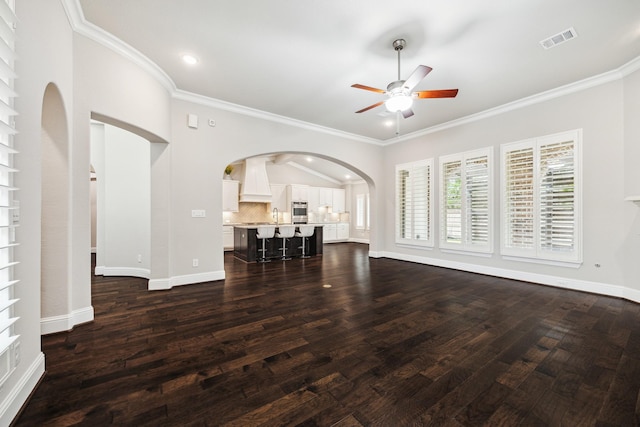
(399, 102)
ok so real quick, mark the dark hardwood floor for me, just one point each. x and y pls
(390, 343)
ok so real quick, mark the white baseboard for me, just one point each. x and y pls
(543, 279)
(99, 270)
(144, 273)
(18, 395)
(377, 254)
(65, 322)
(188, 279)
(357, 240)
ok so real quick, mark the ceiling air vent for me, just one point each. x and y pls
(559, 38)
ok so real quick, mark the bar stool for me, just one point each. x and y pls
(285, 232)
(265, 232)
(305, 231)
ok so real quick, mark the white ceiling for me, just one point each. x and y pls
(298, 58)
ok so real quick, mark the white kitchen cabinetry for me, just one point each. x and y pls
(230, 195)
(342, 231)
(297, 193)
(279, 197)
(335, 232)
(227, 237)
(325, 196)
(338, 200)
(313, 199)
(330, 233)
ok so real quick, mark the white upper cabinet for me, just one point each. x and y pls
(230, 195)
(313, 199)
(297, 193)
(338, 200)
(279, 197)
(325, 196)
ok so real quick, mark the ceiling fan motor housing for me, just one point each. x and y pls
(399, 44)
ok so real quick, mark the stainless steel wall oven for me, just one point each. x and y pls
(299, 212)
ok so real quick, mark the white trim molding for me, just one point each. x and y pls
(14, 400)
(80, 25)
(144, 273)
(187, 279)
(66, 322)
(542, 279)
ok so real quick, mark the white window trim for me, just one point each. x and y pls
(412, 243)
(466, 247)
(537, 255)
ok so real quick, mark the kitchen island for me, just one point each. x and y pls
(246, 244)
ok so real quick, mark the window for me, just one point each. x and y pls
(541, 206)
(360, 211)
(414, 218)
(8, 206)
(465, 201)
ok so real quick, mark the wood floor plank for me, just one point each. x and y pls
(391, 343)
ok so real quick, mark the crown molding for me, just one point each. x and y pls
(81, 26)
(260, 114)
(558, 92)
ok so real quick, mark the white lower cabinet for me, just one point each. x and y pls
(227, 237)
(338, 232)
(343, 231)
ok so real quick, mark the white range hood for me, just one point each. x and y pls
(255, 186)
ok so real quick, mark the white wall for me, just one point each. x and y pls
(43, 59)
(198, 157)
(185, 174)
(599, 112)
(122, 163)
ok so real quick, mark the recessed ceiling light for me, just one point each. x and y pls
(309, 159)
(347, 176)
(189, 59)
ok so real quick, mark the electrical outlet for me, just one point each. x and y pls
(195, 262)
(139, 257)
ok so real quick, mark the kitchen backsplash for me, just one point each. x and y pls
(249, 212)
(261, 212)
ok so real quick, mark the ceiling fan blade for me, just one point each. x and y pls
(372, 89)
(418, 74)
(407, 113)
(370, 107)
(442, 93)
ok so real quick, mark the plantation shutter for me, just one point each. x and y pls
(8, 205)
(466, 201)
(557, 197)
(477, 203)
(452, 188)
(541, 198)
(413, 207)
(519, 201)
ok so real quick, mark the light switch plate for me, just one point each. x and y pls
(192, 121)
(198, 213)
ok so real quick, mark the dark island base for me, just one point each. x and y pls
(246, 245)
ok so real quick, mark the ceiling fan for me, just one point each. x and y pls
(400, 91)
